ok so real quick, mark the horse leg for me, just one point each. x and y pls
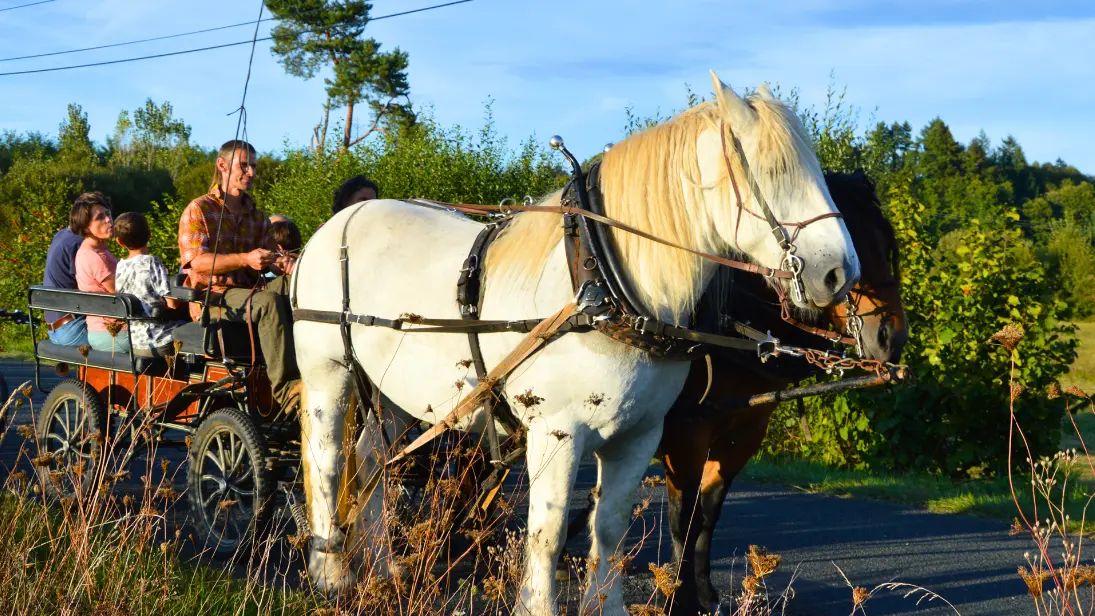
(729, 454)
(324, 402)
(712, 493)
(552, 463)
(684, 453)
(365, 517)
(682, 524)
(621, 464)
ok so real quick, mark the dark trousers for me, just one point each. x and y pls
(272, 318)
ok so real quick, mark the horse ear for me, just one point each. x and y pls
(765, 92)
(734, 108)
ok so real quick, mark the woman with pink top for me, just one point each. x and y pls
(95, 266)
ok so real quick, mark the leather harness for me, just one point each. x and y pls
(604, 300)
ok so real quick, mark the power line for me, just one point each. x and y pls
(159, 55)
(23, 6)
(203, 31)
(147, 40)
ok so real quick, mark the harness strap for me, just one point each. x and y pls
(361, 383)
(470, 300)
(578, 322)
(778, 227)
(537, 338)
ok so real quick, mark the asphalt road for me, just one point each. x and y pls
(970, 562)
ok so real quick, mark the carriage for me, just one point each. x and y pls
(211, 396)
(213, 400)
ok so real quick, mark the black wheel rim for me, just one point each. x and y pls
(68, 436)
(226, 490)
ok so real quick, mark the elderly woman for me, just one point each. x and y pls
(96, 266)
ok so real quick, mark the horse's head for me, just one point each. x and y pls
(759, 156)
(876, 298)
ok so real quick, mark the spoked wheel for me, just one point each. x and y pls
(70, 435)
(230, 489)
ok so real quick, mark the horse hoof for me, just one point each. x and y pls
(330, 572)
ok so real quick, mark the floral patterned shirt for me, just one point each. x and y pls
(145, 277)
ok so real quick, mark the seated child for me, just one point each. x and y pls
(287, 235)
(144, 276)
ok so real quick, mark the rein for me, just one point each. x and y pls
(504, 210)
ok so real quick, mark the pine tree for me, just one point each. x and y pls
(315, 34)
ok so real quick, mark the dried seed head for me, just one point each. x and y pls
(43, 460)
(1076, 391)
(299, 540)
(751, 584)
(1016, 527)
(1009, 336)
(1034, 580)
(84, 350)
(25, 431)
(664, 579)
(860, 596)
(1053, 391)
(1017, 390)
(528, 399)
(763, 563)
(114, 328)
(177, 346)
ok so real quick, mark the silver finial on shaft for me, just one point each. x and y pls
(556, 142)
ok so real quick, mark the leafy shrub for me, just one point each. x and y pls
(424, 160)
(957, 296)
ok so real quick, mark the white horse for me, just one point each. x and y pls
(599, 395)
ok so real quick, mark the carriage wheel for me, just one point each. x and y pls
(70, 433)
(230, 489)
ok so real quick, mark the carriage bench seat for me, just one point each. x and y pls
(120, 306)
(100, 359)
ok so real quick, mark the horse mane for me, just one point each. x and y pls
(651, 181)
(855, 196)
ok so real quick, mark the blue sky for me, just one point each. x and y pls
(570, 67)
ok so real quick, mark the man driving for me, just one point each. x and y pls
(226, 242)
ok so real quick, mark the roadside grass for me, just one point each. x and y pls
(15, 342)
(989, 498)
(1082, 371)
(53, 561)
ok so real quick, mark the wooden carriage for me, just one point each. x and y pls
(211, 396)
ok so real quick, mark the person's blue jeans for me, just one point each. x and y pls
(73, 333)
(103, 341)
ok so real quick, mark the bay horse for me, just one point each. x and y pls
(677, 181)
(703, 450)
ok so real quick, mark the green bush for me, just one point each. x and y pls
(955, 419)
(424, 160)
